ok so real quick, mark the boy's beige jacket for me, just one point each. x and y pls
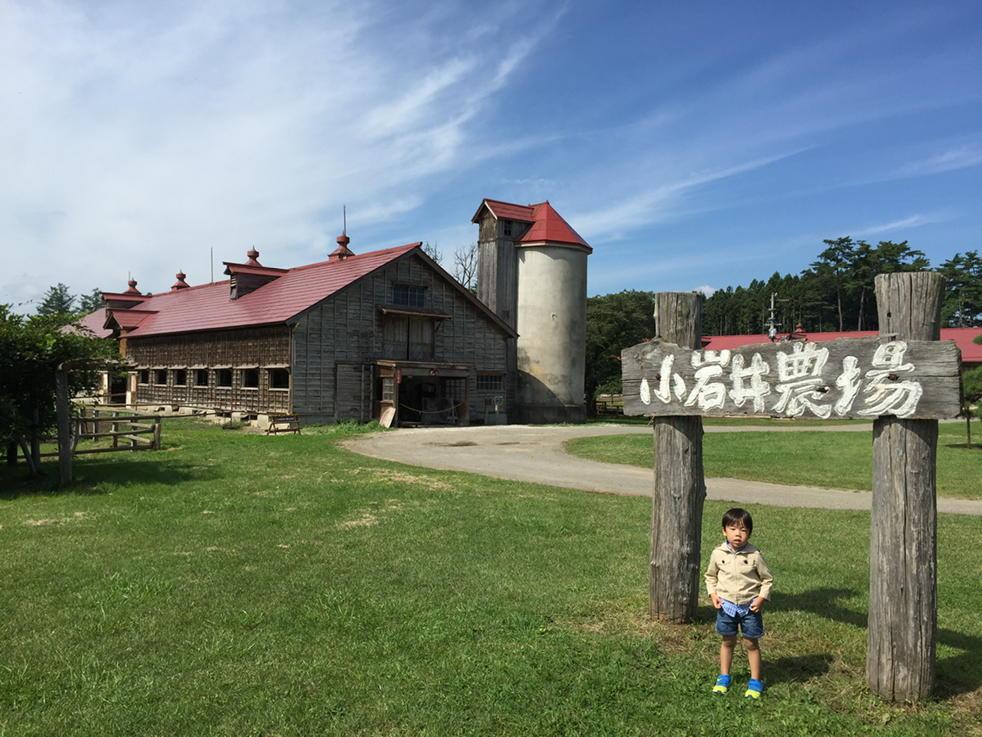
(739, 577)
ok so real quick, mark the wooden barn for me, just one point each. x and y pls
(357, 336)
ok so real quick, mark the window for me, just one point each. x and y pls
(250, 378)
(144, 376)
(160, 377)
(409, 295)
(180, 377)
(223, 378)
(201, 377)
(490, 382)
(279, 378)
(507, 227)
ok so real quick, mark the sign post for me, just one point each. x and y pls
(905, 380)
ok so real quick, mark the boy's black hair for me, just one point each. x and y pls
(736, 516)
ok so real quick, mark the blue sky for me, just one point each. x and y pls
(692, 144)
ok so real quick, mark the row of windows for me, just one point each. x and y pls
(279, 378)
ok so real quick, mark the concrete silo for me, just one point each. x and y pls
(532, 273)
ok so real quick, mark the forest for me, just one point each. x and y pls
(834, 293)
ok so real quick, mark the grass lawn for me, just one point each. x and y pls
(234, 584)
(830, 459)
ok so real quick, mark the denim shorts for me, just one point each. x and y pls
(751, 624)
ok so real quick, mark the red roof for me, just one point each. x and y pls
(547, 225)
(94, 322)
(963, 337)
(208, 306)
(550, 226)
(506, 210)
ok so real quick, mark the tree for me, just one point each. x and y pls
(31, 349)
(465, 266)
(962, 306)
(614, 322)
(89, 302)
(57, 301)
(433, 251)
(832, 267)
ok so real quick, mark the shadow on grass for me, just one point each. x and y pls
(92, 476)
(956, 674)
(798, 668)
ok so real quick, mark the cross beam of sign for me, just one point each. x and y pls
(850, 377)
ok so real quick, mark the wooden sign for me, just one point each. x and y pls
(846, 378)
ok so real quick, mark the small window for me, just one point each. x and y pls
(409, 295)
(223, 378)
(490, 382)
(160, 377)
(180, 377)
(250, 378)
(201, 377)
(507, 227)
(279, 378)
(144, 376)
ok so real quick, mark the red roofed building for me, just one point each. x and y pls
(344, 338)
(963, 337)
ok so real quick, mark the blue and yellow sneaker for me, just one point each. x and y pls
(754, 689)
(722, 684)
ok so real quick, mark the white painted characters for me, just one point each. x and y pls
(802, 382)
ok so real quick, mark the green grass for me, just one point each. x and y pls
(234, 584)
(835, 460)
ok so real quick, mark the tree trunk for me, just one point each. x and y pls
(12, 453)
(862, 301)
(903, 539)
(679, 484)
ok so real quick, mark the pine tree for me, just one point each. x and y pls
(57, 302)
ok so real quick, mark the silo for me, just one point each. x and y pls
(544, 262)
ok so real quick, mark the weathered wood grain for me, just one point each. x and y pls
(903, 541)
(679, 483)
(850, 377)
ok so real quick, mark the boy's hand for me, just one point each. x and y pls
(716, 600)
(757, 604)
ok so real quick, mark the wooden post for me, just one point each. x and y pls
(64, 427)
(680, 487)
(156, 433)
(903, 539)
(115, 429)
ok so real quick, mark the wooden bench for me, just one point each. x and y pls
(283, 423)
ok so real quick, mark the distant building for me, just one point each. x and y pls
(963, 337)
(359, 334)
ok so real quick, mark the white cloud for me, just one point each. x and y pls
(145, 137)
(705, 289)
(912, 221)
(959, 157)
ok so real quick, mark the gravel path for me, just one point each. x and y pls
(535, 453)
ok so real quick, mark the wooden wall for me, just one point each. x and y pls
(344, 332)
(261, 346)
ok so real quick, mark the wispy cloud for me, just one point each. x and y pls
(912, 221)
(146, 137)
(662, 201)
(959, 157)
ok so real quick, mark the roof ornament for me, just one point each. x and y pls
(132, 286)
(342, 251)
(252, 256)
(180, 283)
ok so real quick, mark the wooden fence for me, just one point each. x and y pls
(128, 431)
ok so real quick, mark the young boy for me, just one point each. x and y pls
(739, 583)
